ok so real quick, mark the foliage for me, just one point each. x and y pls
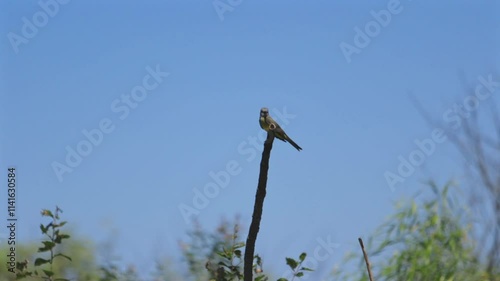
(54, 238)
(229, 266)
(23, 253)
(220, 255)
(425, 240)
(81, 267)
(200, 252)
(296, 267)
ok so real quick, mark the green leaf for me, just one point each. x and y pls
(282, 279)
(237, 253)
(223, 264)
(223, 255)
(299, 274)
(43, 229)
(261, 277)
(302, 257)
(48, 245)
(239, 245)
(40, 261)
(64, 256)
(292, 263)
(60, 237)
(65, 236)
(306, 269)
(47, 213)
(49, 273)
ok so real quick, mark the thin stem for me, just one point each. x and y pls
(366, 259)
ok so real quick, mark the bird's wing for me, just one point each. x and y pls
(278, 131)
(270, 120)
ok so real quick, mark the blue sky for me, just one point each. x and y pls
(352, 119)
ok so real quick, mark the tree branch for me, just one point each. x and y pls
(257, 209)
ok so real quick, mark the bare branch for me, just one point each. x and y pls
(366, 259)
(257, 209)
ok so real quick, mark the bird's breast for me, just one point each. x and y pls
(263, 124)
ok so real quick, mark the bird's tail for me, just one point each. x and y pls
(293, 143)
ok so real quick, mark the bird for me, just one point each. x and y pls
(267, 122)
